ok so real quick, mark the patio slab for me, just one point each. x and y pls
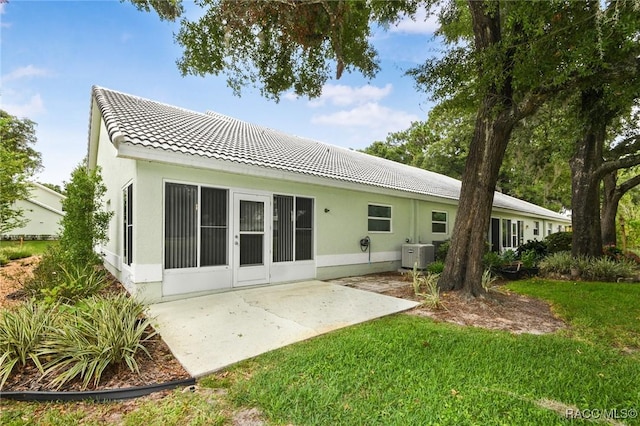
(211, 332)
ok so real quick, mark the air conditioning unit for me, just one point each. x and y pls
(422, 254)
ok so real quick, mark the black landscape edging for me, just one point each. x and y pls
(97, 395)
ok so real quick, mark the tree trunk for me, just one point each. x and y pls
(494, 123)
(463, 268)
(585, 180)
(610, 199)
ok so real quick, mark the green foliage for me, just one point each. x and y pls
(538, 247)
(95, 334)
(509, 256)
(558, 241)
(596, 269)
(529, 259)
(283, 46)
(612, 252)
(53, 282)
(75, 283)
(443, 249)
(604, 269)
(492, 261)
(435, 267)
(21, 335)
(427, 287)
(605, 314)
(487, 280)
(14, 253)
(19, 163)
(84, 224)
(558, 263)
(390, 370)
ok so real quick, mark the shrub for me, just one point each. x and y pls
(435, 267)
(557, 263)
(99, 332)
(492, 261)
(3, 259)
(21, 335)
(598, 269)
(559, 241)
(605, 269)
(84, 224)
(612, 252)
(46, 274)
(487, 280)
(54, 282)
(538, 247)
(442, 250)
(529, 259)
(509, 256)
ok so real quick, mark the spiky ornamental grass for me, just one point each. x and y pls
(22, 332)
(95, 334)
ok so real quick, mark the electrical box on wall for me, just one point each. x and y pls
(422, 254)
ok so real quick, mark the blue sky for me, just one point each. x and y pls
(52, 52)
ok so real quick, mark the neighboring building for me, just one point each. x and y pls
(204, 202)
(43, 211)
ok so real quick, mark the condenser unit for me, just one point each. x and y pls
(422, 254)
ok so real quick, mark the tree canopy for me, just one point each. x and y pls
(19, 161)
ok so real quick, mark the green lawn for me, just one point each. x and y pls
(34, 247)
(603, 313)
(409, 370)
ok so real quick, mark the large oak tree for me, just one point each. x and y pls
(505, 57)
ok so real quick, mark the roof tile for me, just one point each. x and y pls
(212, 135)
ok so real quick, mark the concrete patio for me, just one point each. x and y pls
(211, 332)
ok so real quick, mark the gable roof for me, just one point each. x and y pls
(141, 122)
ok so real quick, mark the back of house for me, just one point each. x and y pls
(204, 202)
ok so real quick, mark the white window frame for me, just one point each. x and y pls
(198, 227)
(446, 222)
(536, 228)
(380, 218)
(295, 228)
(127, 211)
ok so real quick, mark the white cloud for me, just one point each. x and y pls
(370, 115)
(25, 72)
(421, 25)
(342, 95)
(33, 107)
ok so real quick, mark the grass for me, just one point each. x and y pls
(601, 313)
(407, 370)
(33, 247)
(410, 370)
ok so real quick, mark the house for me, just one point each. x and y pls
(204, 202)
(43, 211)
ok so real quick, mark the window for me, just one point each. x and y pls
(549, 228)
(439, 222)
(379, 218)
(506, 233)
(192, 240)
(520, 233)
(536, 228)
(127, 226)
(213, 227)
(292, 228)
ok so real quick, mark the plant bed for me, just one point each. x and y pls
(157, 368)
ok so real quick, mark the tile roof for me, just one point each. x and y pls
(152, 124)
